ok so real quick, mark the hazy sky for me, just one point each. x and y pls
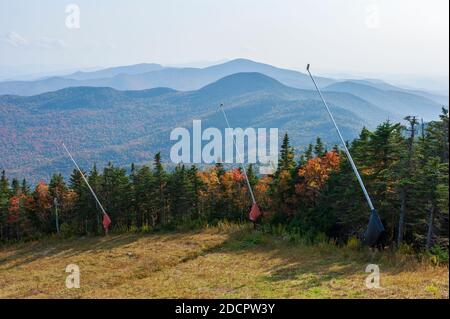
(379, 36)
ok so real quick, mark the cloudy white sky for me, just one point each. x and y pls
(338, 36)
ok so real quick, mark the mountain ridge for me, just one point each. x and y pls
(103, 124)
(400, 102)
(182, 79)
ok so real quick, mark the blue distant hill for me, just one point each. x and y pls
(105, 124)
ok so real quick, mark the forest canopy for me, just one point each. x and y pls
(405, 168)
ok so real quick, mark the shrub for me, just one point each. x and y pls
(353, 243)
(133, 229)
(405, 249)
(321, 238)
(438, 255)
(66, 231)
(254, 239)
(120, 229)
(146, 228)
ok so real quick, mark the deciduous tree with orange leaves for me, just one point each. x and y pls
(314, 175)
(42, 207)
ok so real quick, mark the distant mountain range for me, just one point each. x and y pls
(146, 76)
(398, 101)
(115, 71)
(101, 123)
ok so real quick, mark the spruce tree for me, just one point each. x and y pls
(5, 194)
(15, 187)
(25, 188)
(286, 161)
(180, 190)
(159, 192)
(319, 149)
(196, 186)
(405, 171)
(143, 185)
(309, 152)
(220, 169)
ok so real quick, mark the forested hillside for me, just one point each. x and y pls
(314, 195)
(103, 124)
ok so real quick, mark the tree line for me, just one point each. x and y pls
(405, 168)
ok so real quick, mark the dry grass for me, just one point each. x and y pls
(225, 262)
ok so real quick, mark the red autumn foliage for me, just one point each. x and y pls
(17, 205)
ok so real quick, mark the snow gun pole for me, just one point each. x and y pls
(361, 183)
(239, 156)
(375, 228)
(85, 180)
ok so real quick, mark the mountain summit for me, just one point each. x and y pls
(244, 82)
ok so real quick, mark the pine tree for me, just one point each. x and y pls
(309, 152)
(82, 203)
(253, 179)
(95, 213)
(5, 194)
(196, 187)
(180, 190)
(381, 156)
(159, 193)
(219, 169)
(286, 161)
(15, 186)
(57, 186)
(434, 181)
(319, 149)
(406, 170)
(116, 195)
(143, 183)
(58, 192)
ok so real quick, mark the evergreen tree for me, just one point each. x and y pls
(309, 152)
(286, 161)
(196, 187)
(319, 149)
(57, 186)
(433, 182)
(15, 187)
(159, 192)
(219, 169)
(180, 190)
(115, 195)
(143, 183)
(5, 194)
(253, 179)
(283, 188)
(82, 203)
(406, 172)
(58, 193)
(95, 214)
(25, 188)
(382, 155)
